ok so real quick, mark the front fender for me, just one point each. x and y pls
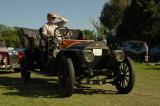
(75, 55)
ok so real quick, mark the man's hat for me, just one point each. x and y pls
(52, 14)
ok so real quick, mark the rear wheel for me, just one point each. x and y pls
(66, 76)
(125, 76)
(25, 76)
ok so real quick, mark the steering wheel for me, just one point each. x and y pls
(61, 31)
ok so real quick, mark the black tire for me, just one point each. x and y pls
(25, 76)
(66, 76)
(125, 76)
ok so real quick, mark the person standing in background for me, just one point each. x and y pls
(144, 56)
(146, 52)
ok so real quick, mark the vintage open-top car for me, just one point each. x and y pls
(10, 58)
(74, 60)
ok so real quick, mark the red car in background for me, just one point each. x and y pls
(10, 58)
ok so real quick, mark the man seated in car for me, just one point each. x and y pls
(54, 20)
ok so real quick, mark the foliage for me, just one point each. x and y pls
(88, 34)
(141, 21)
(100, 29)
(112, 13)
(9, 35)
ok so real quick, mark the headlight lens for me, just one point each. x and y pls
(119, 55)
(88, 55)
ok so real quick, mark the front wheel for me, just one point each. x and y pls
(125, 76)
(66, 76)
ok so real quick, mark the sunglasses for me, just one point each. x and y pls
(53, 17)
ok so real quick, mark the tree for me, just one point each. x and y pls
(9, 35)
(88, 34)
(112, 13)
(141, 21)
(100, 30)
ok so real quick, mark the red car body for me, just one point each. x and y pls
(69, 42)
(9, 58)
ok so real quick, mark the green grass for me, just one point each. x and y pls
(42, 91)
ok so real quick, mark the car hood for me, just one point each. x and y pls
(85, 45)
(4, 49)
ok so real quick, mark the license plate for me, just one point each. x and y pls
(97, 52)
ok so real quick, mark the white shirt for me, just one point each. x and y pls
(48, 29)
(146, 48)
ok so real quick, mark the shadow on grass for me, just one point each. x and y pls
(41, 88)
(7, 72)
(90, 91)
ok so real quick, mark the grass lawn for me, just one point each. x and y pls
(42, 91)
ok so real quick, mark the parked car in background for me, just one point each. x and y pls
(134, 49)
(10, 58)
(155, 53)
